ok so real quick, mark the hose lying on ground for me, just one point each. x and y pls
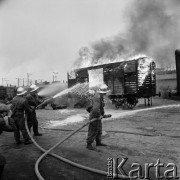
(64, 159)
(111, 131)
(115, 131)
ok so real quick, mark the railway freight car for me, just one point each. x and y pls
(7, 93)
(177, 58)
(127, 80)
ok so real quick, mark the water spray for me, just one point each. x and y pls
(80, 90)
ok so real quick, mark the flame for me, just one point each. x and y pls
(89, 61)
(144, 69)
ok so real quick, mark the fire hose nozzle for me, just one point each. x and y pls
(107, 116)
(44, 102)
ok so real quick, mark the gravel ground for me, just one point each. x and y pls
(141, 135)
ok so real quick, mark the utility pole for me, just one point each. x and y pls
(2, 81)
(27, 79)
(18, 79)
(55, 76)
(28, 82)
(6, 82)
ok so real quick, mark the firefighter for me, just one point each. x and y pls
(3, 127)
(97, 111)
(33, 101)
(19, 108)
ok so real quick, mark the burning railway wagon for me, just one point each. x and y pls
(127, 80)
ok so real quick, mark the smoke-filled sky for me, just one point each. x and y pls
(44, 36)
(153, 29)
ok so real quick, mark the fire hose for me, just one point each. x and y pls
(110, 131)
(46, 152)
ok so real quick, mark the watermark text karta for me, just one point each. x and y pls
(116, 169)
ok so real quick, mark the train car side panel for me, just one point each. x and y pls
(130, 77)
(146, 78)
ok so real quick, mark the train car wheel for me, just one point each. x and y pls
(131, 106)
(131, 102)
(117, 105)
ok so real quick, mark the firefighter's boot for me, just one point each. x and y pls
(90, 147)
(100, 144)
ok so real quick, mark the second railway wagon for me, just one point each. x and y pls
(128, 80)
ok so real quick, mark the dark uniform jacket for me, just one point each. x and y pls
(3, 127)
(19, 105)
(32, 101)
(97, 107)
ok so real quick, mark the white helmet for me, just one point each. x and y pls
(21, 91)
(103, 89)
(34, 87)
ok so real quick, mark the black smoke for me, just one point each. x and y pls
(153, 29)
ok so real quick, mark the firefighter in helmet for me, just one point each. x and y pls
(33, 101)
(19, 108)
(96, 111)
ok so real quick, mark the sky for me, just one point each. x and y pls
(44, 36)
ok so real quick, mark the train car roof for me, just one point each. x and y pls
(107, 64)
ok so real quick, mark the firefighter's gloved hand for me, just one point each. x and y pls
(107, 116)
(38, 106)
(88, 109)
(100, 117)
(33, 108)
